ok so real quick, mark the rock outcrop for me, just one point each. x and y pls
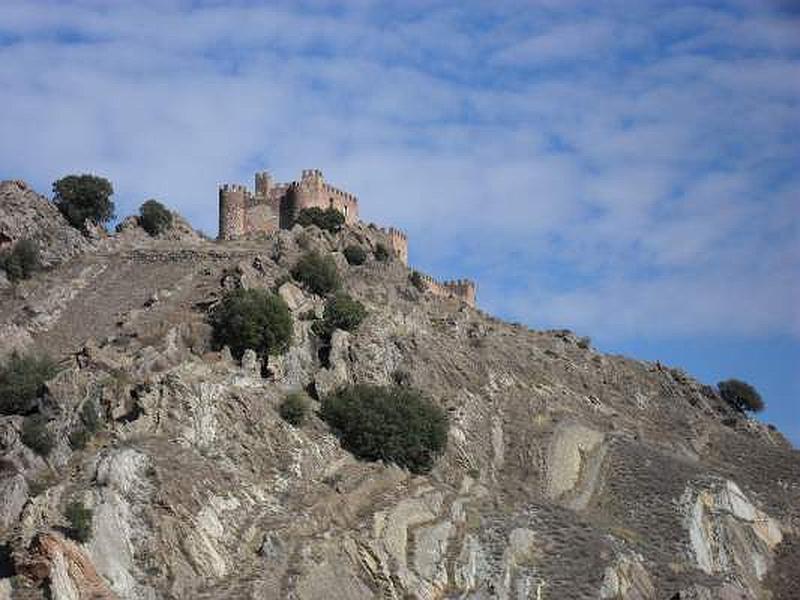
(568, 473)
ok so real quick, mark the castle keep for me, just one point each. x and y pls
(275, 205)
(272, 206)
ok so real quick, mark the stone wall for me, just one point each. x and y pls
(398, 242)
(460, 289)
(275, 206)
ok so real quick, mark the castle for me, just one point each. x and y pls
(274, 206)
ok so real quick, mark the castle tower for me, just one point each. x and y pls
(232, 203)
(399, 243)
(463, 289)
(263, 184)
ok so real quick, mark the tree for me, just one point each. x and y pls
(740, 395)
(328, 219)
(255, 319)
(355, 255)
(80, 521)
(22, 378)
(22, 261)
(417, 281)
(154, 217)
(294, 408)
(36, 435)
(391, 423)
(341, 312)
(317, 273)
(82, 197)
(381, 253)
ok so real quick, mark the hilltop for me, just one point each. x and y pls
(568, 473)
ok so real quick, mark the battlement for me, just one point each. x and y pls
(275, 206)
(233, 187)
(460, 289)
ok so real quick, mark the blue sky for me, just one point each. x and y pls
(626, 169)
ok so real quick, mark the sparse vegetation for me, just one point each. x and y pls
(154, 217)
(88, 425)
(80, 521)
(22, 378)
(22, 261)
(417, 281)
(328, 219)
(294, 408)
(740, 395)
(84, 197)
(393, 424)
(36, 436)
(317, 273)
(355, 255)
(341, 312)
(381, 253)
(585, 342)
(255, 319)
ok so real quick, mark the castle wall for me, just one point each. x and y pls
(232, 207)
(459, 289)
(398, 242)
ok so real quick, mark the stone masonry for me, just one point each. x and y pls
(274, 206)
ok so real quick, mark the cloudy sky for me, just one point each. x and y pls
(627, 169)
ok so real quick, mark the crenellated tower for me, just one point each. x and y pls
(233, 200)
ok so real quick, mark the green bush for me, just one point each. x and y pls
(80, 521)
(36, 436)
(22, 378)
(392, 424)
(355, 255)
(294, 408)
(740, 395)
(417, 281)
(154, 217)
(329, 219)
(89, 424)
(256, 319)
(82, 197)
(381, 253)
(22, 261)
(317, 273)
(341, 312)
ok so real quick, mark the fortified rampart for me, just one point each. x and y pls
(275, 206)
(461, 289)
(272, 206)
(398, 241)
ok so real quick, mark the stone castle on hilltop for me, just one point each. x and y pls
(274, 206)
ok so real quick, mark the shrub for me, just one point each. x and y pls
(154, 217)
(22, 261)
(88, 425)
(36, 436)
(740, 395)
(417, 281)
(355, 255)
(80, 521)
(341, 312)
(22, 378)
(317, 273)
(294, 408)
(392, 424)
(255, 319)
(82, 197)
(381, 253)
(329, 219)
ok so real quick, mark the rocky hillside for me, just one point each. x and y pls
(569, 474)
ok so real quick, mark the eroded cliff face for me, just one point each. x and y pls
(568, 473)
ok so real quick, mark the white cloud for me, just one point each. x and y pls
(595, 165)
